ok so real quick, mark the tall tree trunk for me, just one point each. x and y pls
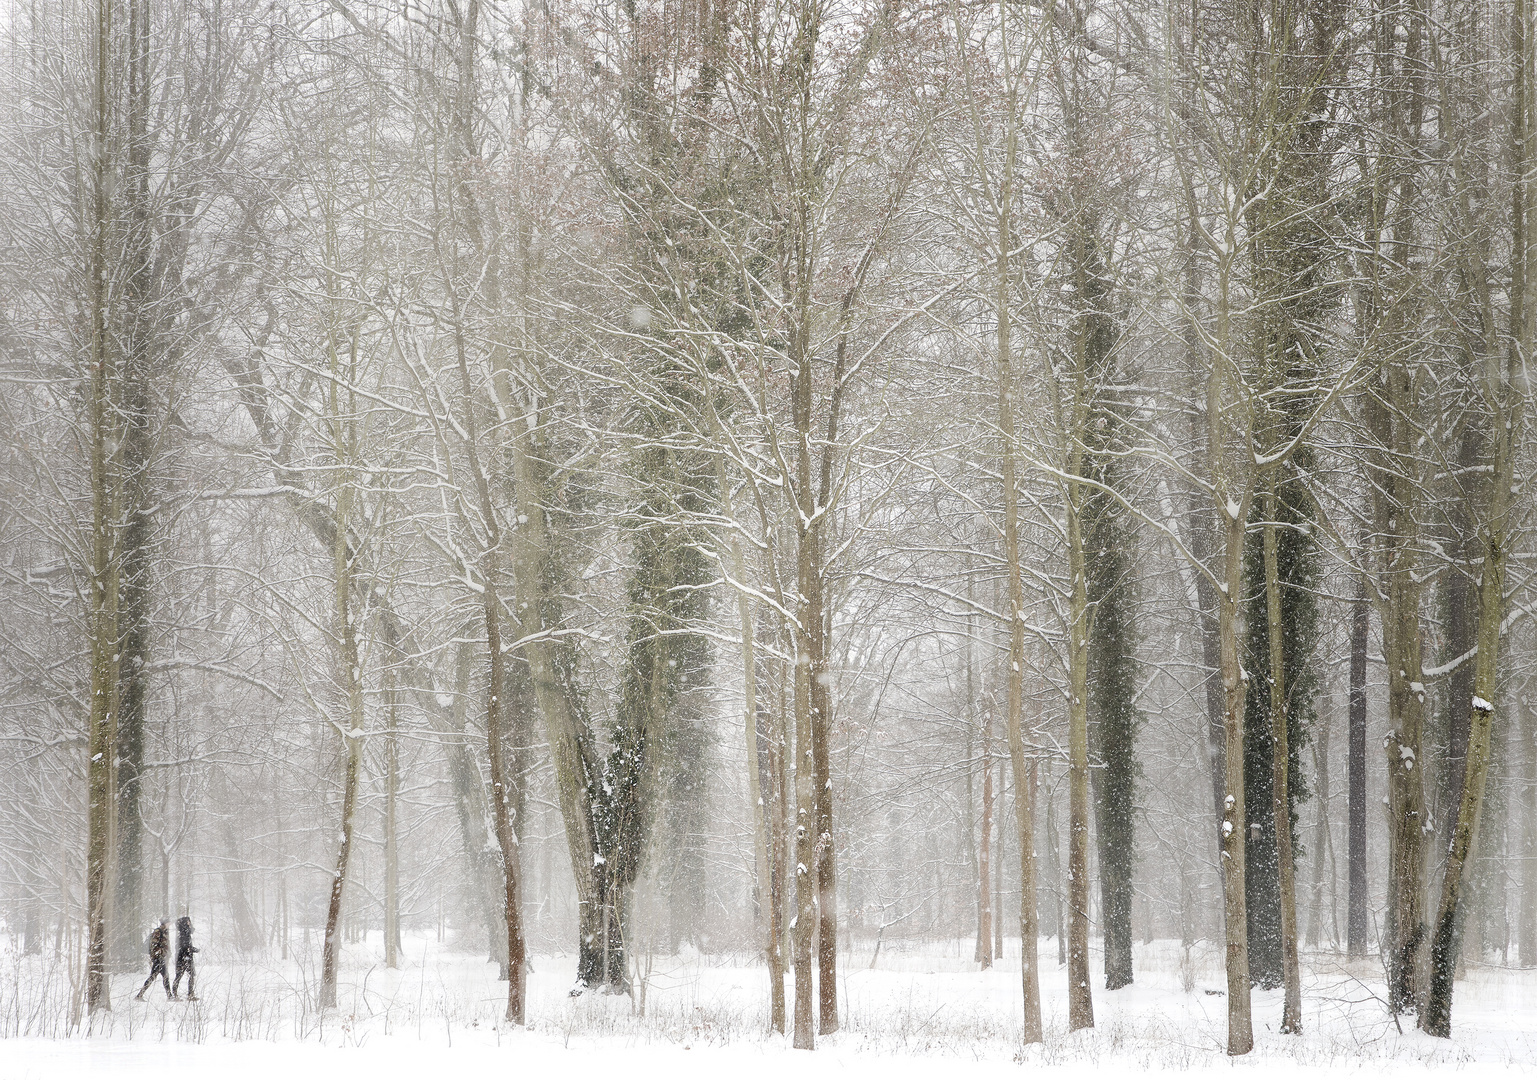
(1355, 922)
(1112, 702)
(778, 806)
(1452, 915)
(819, 621)
(1023, 766)
(1406, 798)
(1391, 410)
(998, 860)
(391, 837)
(984, 953)
(827, 875)
(502, 794)
(758, 794)
(1080, 999)
(803, 925)
(352, 738)
(138, 438)
(101, 771)
(1240, 1033)
(1321, 842)
(1526, 919)
(1199, 543)
(1503, 397)
(1458, 600)
(1054, 861)
(1280, 806)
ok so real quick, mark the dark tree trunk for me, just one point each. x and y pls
(1296, 569)
(601, 962)
(1459, 601)
(138, 436)
(1355, 924)
(1112, 700)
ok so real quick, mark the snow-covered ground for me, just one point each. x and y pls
(919, 1010)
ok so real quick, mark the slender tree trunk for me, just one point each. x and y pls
(998, 859)
(1080, 995)
(101, 771)
(1280, 806)
(391, 839)
(1023, 766)
(1526, 918)
(1321, 871)
(1200, 532)
(1355, 922)
(779, 853)
(502, 794)
(1240, 1035)
(757, 797)
(1398, 498)
(827, 874)
(352, 739)
(803, 925)
(501, 790)
(1054, 860)
(984, 859)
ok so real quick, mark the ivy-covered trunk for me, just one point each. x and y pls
(1112, 703)
(1296, 572)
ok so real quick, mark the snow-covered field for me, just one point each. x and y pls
(917, 1011)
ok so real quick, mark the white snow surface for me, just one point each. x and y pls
(923, 1011)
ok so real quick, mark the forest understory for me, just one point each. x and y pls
(924, 1006)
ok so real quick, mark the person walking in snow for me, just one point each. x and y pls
(159, 943)
(184, 951)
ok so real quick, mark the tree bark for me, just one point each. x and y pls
(502, 794)
(1080, 996)
(1452, 915)
(342, 428)
(501, 791)
(1322, 868)
(1023, 767)
(352, 738)
(1504, 399)
(1280, 806)
(138, 454)
(779, 851)
(1355, 922)
(101, 771)
(391, 836)
(1526, 919)
(984, 953)
(1240, 1034)
(803, 925)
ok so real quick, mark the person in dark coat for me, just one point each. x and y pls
(184, 963)
(159, 943)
